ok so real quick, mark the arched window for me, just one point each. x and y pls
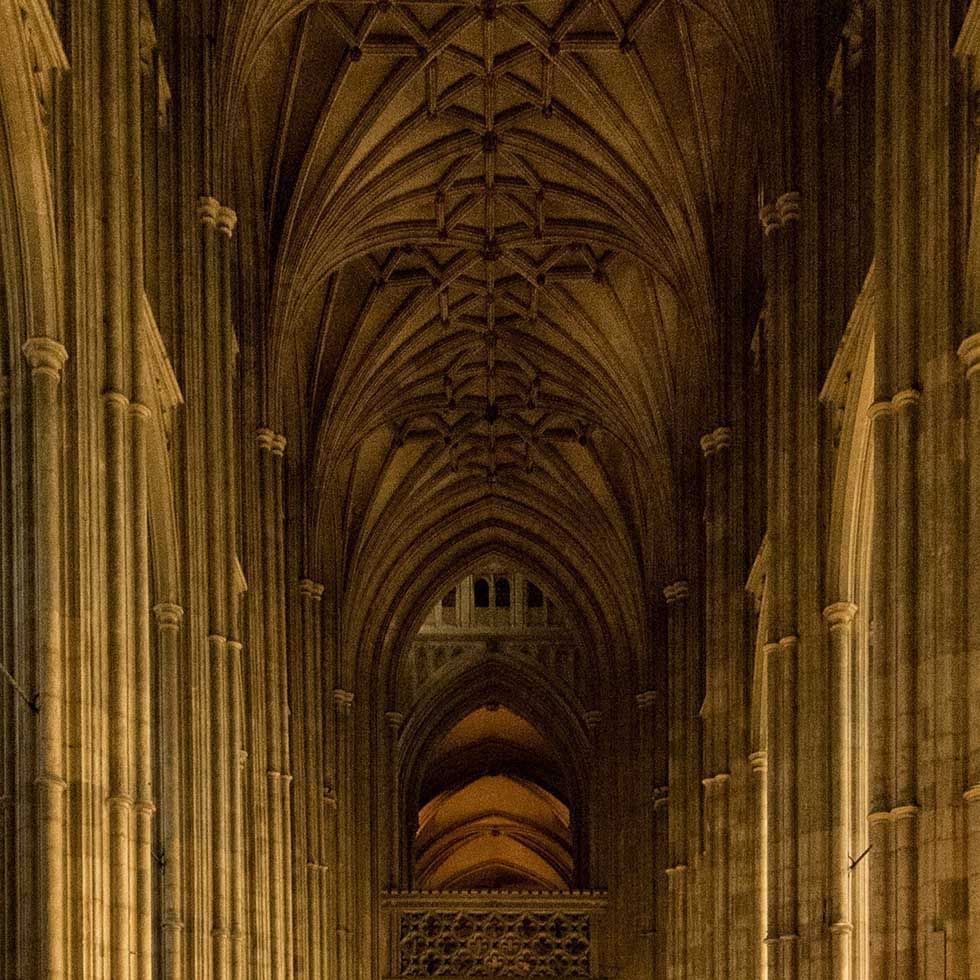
(449, 600)
(502, 593)
(481, 593)
(535, 597)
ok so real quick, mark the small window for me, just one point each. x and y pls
(449, 600)
(502, 589)
(535, 597)
(481, 593)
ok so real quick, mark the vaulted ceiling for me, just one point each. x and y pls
(494, 232)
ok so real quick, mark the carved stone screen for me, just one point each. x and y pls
(494, 944)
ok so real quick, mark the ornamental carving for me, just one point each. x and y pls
(494, 944)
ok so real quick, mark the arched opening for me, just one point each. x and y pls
(493, 811)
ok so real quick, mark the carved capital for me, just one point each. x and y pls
(715, 442)
(789, 206)
(225, 220)
(278, 445)
(394, 720)
(969, 353)
(592, 719)
(207, 211)
(169, 615)
(646, 699)
(879, 410)
(265, 438)
(839, 614)
(789, 644)
(906, 398)
(344, 700)
(758, 762)
(307, 587)
(769, 219)
(786, 208)
(46, 356)
(677, 592)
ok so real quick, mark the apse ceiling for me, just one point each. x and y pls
(491, 226)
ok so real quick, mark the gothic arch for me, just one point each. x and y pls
(524, 688)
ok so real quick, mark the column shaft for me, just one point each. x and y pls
(970, 354)
(839, 617)
(169, 617)
(46, 358)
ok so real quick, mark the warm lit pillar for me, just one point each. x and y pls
(839, 618)
(46, 358)
(646, 703)
(169, 617)
(394, 721)
(716, 448)
(272, 649)
(758, 835)
(970, 354)
(344, 712)
(680, 701)
(210, 213)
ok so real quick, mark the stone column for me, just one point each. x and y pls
(310, 593)
(278, 882)
(772, 817)
(169, 617)
(343, 703)
(210, 212)
(225, 342)
(646, 703)
(757, 833)
(881, 700)
(46, 358)
(715, 447)
(143, 694)
(680, 781)
(10, 659)
(785, 425)
(394, 721)
(970, 354)
(839, 616)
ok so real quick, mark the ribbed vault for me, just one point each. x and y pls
(492, 314)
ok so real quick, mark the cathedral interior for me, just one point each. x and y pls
(490, 489)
